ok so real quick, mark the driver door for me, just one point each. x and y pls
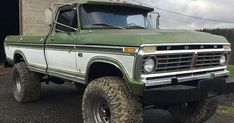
(60, 46)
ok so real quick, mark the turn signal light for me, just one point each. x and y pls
(130, 50)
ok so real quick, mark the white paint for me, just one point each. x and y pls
(62, 60)
(33, 56)
(68, 61)
(126, 61)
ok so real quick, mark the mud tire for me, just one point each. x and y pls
(124, 107)
(196, 112)
(26, 85)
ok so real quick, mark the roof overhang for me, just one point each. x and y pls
(115, 3)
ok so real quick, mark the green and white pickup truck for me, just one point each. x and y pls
(113, 52)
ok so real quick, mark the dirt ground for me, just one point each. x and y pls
(62, 104)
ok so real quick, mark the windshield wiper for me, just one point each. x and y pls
(137, 27)
(105, 24)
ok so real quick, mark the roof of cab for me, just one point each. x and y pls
(116, 2)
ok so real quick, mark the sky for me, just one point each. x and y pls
(211, 9)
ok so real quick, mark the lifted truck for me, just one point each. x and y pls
(125, 65)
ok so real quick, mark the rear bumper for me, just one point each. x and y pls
(176, 94)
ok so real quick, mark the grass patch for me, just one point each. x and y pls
(231, 69)
(226, 110)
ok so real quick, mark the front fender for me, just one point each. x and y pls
(111, 61)
(136, 87)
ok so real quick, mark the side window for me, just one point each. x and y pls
(66, 19)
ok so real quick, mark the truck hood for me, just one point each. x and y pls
(117, 37)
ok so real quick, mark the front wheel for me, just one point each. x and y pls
(107, 100)
(195, 112)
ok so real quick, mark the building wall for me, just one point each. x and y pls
(33, 16)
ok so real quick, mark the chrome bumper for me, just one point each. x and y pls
(184, 76)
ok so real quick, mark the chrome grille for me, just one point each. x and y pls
(172, 62)
(188, 47)
(208, 59)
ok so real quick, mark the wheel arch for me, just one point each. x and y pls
(108, 62)
(18, 57)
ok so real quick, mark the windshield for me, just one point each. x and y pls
(114, 17)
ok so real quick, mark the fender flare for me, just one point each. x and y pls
(110, 61)
(22, 54)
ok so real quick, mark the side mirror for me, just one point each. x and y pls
(156, 18)
(48, 17)
(158, 21)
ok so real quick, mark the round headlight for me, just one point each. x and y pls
(223, 59)
(149, 65)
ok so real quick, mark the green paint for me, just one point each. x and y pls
(136, 87)
(129, 37)
(231, 70)
(110, 2)
(26, 39)
(134, 37)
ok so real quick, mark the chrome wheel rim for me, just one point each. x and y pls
(18, 85)
(102, 112)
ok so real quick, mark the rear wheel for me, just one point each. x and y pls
(25, 84)
(195, 112)
(108, 100)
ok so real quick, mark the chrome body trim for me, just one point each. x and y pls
(185, 51)
(204, 76)
(183, 72)
(70, 45)
(176, 44)
(65, 26)
(168, 80)
(27, 44)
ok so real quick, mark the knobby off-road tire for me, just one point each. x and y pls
(26, 85)
(196, 112)
(108, 100)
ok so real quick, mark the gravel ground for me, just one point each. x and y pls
(62, 104)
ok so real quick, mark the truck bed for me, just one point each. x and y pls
(30, 48)
(25, 39)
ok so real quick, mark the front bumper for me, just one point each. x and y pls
(184, 76)
(177, 94)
